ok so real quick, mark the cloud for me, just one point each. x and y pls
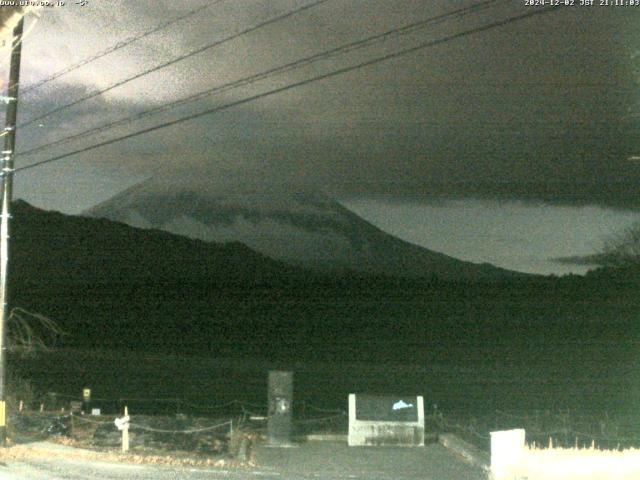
(496, 114)
(584, 260)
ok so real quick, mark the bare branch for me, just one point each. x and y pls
(31, 332)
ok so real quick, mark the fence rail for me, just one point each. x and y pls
(566, 428)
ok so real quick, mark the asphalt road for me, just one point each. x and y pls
(82, 470)
(317, 460)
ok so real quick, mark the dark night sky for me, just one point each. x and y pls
(546, 108)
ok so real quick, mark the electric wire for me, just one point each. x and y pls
(334, 73)
(349, 47)
(173, 61)
(119, 46)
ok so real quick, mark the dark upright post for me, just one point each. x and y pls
(280, 400)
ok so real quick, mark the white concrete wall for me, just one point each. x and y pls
(385, 433)
(507, 451)
(512, 459)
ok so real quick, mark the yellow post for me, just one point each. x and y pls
(3, 414)
(86, 400)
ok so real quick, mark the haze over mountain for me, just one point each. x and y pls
(302, 228)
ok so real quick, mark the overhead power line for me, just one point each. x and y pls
(349, 47)
(190, 54)
(118, 46)
(334, 73)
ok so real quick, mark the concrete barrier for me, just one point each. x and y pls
(507, 452)
(385, 432)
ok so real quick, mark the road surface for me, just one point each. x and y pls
(313, 460)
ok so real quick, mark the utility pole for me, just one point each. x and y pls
(8, 155)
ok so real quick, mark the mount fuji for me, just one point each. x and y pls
(308, 229)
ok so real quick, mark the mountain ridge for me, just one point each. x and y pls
(306, 229)
(111, 285)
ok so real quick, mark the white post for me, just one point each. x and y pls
(507, 451)
(352, 407)
(125, 432)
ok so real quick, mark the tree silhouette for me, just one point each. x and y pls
(621, 250)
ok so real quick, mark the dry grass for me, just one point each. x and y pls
(141, 456)
(576, 463)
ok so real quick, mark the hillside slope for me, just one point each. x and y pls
(304, 229)
(114, 286)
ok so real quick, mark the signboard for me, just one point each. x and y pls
(389, 409)
(386, 420)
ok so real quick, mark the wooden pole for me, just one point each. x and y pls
(8, 154)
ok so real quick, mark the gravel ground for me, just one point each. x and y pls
(313, 460)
